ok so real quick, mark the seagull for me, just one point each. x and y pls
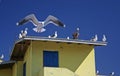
(68, 37)
(23, 33)
(76, 34)
(2, 56)
(97, 72)
(104, 38)
(112, 74)
(54, 35)
(95, 38)
(39, 25)
(20, 35)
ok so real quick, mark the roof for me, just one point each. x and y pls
(6, 64)
(22, 44)
(96, 43)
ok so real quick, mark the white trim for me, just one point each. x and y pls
(97, 43)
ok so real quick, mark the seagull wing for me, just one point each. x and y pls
(29, 18)
(54, 20)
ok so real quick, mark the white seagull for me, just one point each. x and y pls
(104, 38)
(112, 74)
(20, 35)
(54, 35)
(2, 56)
(23, 33)
(97, 72)
(68, 37)
(39, 25)
(95, 38)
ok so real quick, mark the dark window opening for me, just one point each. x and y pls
(50, 58)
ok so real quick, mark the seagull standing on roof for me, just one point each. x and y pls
(39, 25)
(20, 35)
(112, 74)
(23, 33)
(97, 72)
(76, 34)
(2, 56)
(68, 37)
(104, 38)
(54, 35)
(95, 38)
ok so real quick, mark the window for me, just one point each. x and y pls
(50, 58)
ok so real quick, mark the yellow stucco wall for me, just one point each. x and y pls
(87, 67)
(17, 69)
(14, 70)
(6, 72)
(28, 61)
(76, 57)
(54, 71)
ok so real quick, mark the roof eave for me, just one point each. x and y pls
(96, 43)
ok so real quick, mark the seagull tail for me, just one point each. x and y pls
(35, 29)
(39, 30)
(43, 30)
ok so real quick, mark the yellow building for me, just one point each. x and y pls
(40, 56)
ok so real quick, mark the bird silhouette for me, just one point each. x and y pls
(39, 25)
(76, 34)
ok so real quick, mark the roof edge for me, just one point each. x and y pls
(89, 42)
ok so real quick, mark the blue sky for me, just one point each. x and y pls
(91, 16)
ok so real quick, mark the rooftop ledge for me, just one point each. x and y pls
(64, 40)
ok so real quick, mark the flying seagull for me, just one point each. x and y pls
(76, 34)
(39, 25)
(54, 35)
